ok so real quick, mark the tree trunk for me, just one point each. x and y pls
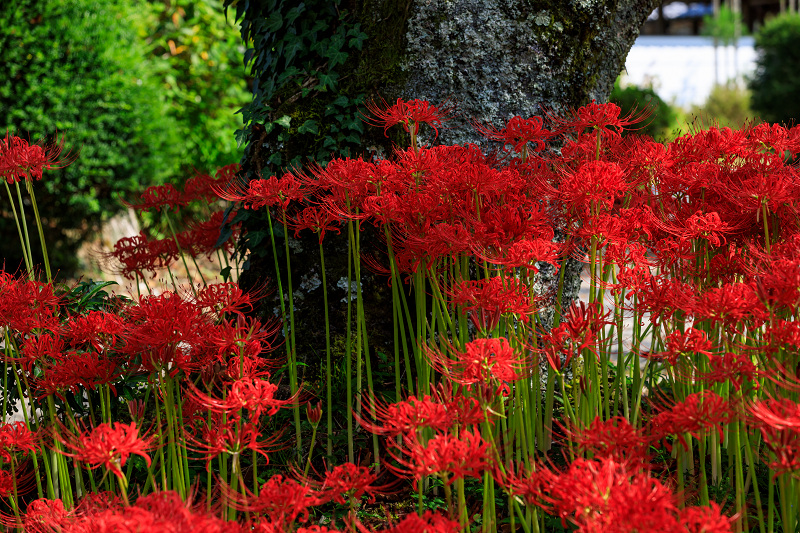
(494, 59)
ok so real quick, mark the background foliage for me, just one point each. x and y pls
(776, 83)
(145, 91)
(633, 99)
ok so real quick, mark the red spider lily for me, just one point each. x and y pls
(519, 133)
(605, 117)
(200, 238)
(46, 516)
(158, 197)
(408, 113)
(731, 367)
(702, 519)
(440, 412)
(701, 225)
(662, 296)
(244, 337)
(607, 496)
(779, 422)
(224, 298)
(27, 305)
(233, 439)
(775, 137)
(594, 185)
(254, 395)
(16, 437)
(98, 329)
(318, 220)
(138, 254)
(72, 370)
(526, 253)
(446, 455)
(314, 414)
(283, 501)
(614, 438)
(701, 411)
(167, 331)
(730, 304)
(107, 445)
(489, 299)
(484, 362)
(684, 343)
(266, 192)
(345, 484)
(429, 522)
(20, 160)
(556, 347)
(778, 286)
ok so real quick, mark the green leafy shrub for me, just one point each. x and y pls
(776, 83)
(196, 53)
(75, 69)
(634, 99)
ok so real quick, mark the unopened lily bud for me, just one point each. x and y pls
(314, 414)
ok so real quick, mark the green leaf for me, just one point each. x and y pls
(309, 126)
(284, 121)
(274, 21)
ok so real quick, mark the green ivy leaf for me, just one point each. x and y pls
(309, 126)
(284, 121)
(274, 22)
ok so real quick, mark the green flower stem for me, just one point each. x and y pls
(27, 246)
(25, 255)
(29, 185)
(180, 252)
(328, 370)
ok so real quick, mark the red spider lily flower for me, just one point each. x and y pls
(701, 411)
(244, 337)
(731, 367)
(346, 483)
(614, 438)
(226, 438)
(168, 332)
(225, 298)
(686, 344)
(605, 117)
(138, 254)
(318, 220)
(484, 362)
(556, 347)
(730, 304)
(20, 160)
(409, 113)
(16, 437)
(702, 519)
(107, 445)
(283, 501)
(594, 185)
(607, 496)
(446, 455)
(518, 133)
(488, 300)
(201, 238)
(46, 516)
(662, 296)
(98, 329)
(72, 370)
(779, 422)
(254, 395)
(526, 253)
(440, 411)
(26, 305)
(583, 322)
(266, 192)
(158, 197)
(429, 522)
(775, 137)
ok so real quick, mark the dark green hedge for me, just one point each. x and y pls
(776, 84)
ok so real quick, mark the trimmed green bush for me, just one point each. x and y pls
(776, 84)
(75, 69)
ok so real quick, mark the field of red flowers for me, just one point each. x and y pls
(173, 410)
